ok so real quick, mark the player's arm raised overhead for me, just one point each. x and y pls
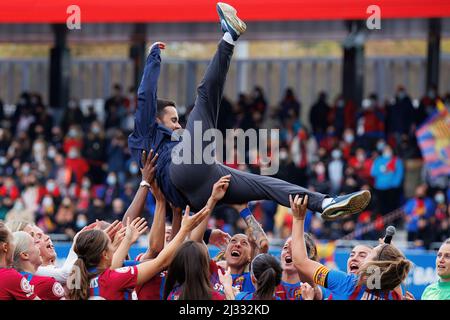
(305, 266)
(147, 101)
(131, 231)
(218, 192)
(150, 268)
(148, 175)
(158, 229)
(255, 232)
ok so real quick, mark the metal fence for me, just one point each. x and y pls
(93, 78)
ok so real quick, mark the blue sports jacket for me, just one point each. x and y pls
(148, 134)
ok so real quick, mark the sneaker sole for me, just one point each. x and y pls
(228, 14)
(355, 204)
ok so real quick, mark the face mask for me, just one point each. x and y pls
(95, 130)
(340, 104)
(50, 186)
(336, 154)
(387, 154)
(439, 198)
(366, 104)
(283, 155)
(111, 180)
(26, 170)
(86, 184)
(81, 223)
(380, 146)
(51, 153)
(134, 169)
(431, 94)
(349, 138)
(73, 154)
(72, 133)
(3, 161)
(38, 147)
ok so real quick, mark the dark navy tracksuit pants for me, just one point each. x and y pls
(195, 181)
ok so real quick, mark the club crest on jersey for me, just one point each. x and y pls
(58, 290)
(26, 286)
(124, 270)
(238, 282)
(297, 294)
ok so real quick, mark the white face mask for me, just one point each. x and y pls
(134, 169)
(86, 184)
(50, 186)
(439, 198)
(111, 180)
(380, 146)
(283, 155)
(73, 154)
(387, 154)
(26, 170)
(336, 154)
(72, 133)
(51, 153)
(349, 138)
(38, 147)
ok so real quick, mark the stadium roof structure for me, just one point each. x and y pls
(131, 11)
(30, 21)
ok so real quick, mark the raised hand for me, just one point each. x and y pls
(220, 188)
(118, 238)
(190, 222)
(135, 229)
(225, 278)
(112, 229)
(307, 291)
(149, 169)
(161, 45)
(299, 206)
(219, 238)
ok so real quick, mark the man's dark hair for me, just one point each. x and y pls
(161, 104)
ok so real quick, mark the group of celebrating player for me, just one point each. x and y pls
(177, 264)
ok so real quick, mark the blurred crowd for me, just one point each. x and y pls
(65, 172)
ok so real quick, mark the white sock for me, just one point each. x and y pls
(228, 38)
(326, 202)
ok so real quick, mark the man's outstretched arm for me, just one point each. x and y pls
(147, 102)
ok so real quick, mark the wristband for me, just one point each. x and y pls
(144, 184)
(245, 213)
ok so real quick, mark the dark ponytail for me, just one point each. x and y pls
(267, 271)
(89, 247)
